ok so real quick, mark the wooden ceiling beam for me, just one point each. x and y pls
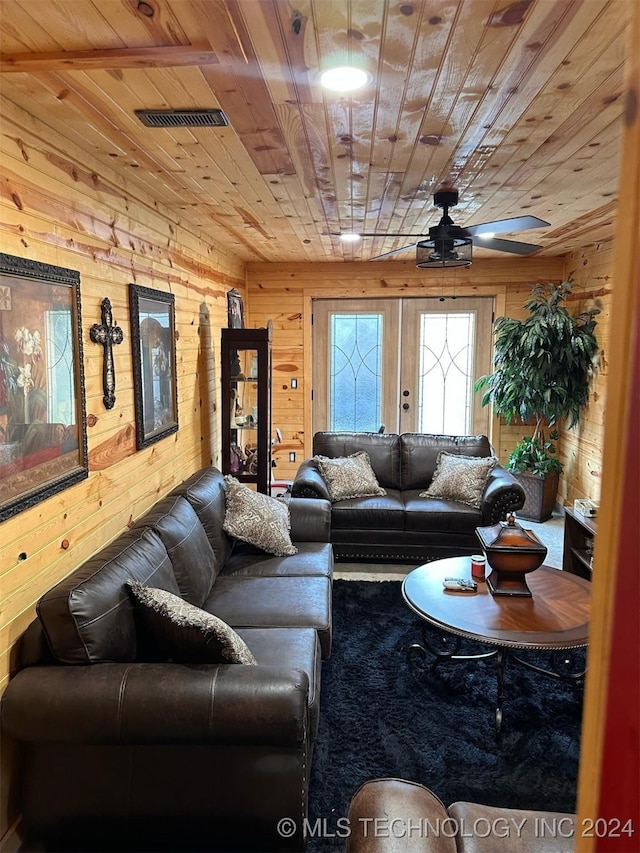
(170, 56)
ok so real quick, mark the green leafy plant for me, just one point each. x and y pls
(543, 370)
(535, 456)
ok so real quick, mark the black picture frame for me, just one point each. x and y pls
(235, 309)
(154, 363)
(43, 439)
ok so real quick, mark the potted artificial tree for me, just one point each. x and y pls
(543, 369)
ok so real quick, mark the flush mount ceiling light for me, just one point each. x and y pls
(344, 78)
(348, 237)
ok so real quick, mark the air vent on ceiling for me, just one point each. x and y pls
(183, 118)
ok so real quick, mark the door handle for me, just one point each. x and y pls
(406, 407)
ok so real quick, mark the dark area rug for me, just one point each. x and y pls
(382, 715)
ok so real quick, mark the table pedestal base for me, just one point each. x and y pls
(447, 650)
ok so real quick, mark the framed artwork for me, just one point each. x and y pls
(235, 309)
(154, 364)
(43, 439)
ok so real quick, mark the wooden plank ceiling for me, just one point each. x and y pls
(518, 105)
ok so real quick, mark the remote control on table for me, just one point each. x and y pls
(460, 585)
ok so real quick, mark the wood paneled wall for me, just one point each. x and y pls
(283, 293)
(58, 208)
(581, 447)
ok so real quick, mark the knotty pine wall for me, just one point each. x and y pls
(581, 447)
(283, 293)
(59, 208)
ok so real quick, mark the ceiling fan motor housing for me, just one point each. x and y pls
(447, 246)
(445, 198)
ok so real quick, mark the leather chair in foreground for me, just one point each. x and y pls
(393, 815)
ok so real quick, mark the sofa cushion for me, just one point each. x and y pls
(539, 832)
(384, 512)
(439, 515)
(256, 518)
(183, 633)
(194, 563)
(278, 602)
(460, 478)
(349, 476)
(313, 559)
(383, 450)
(205, 492)
(88, 616)
(419, 454)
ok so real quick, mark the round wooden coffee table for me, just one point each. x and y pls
(556, 617)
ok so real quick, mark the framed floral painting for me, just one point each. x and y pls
(43, 441)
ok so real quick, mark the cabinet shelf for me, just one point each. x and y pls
(579, 541)
(583, 556)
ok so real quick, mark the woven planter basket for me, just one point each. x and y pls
(540, 495)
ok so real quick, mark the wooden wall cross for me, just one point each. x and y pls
(107, 334)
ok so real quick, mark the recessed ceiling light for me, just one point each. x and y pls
(345, 78)
(349, 238)
(486, 235)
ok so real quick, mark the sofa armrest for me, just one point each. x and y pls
(310, 520)
(391, 815)
(164, 703)
(502, 494)
(308, 482)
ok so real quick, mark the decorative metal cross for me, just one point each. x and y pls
(107, 334)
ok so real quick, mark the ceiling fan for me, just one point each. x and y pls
(450, 245)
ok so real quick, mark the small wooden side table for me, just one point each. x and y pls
(579, 539)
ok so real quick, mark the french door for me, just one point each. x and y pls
(405, 365)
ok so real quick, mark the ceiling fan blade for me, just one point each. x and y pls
(392, 252)
(504, 226)
(512, 246)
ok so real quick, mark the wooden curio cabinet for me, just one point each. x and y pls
(246, 406)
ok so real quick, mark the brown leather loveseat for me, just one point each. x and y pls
(121, 751)
(401, 525)
(393, 815)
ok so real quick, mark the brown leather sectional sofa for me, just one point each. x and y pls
(401, 525)
(121, 753)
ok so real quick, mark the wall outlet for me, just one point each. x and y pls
(292, 456)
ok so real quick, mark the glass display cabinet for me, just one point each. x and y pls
(246, 405)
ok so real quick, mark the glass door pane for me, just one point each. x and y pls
(355, 370)
(355, 380)
(445, 372)
(446, 347)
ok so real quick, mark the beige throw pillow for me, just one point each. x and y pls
(183, 633)
(349, 476)
(460, 478)
(258, 519)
